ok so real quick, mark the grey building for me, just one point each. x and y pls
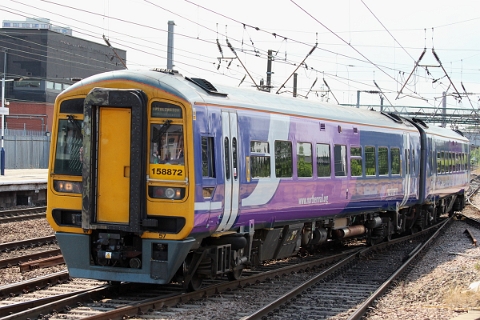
(44, 62)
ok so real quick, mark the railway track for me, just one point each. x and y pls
(31, 250)
(110, 300)
(334, 275)
(20, 214)
(347, 289)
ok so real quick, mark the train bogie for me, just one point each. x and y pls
(157, 178)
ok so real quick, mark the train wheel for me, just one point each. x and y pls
(195, 283)
(235, 274)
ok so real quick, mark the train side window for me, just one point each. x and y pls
(407, 161)
(382, 161)
(439, 162)
(445, 162)
(227, 158)
(259, 159)
(452, 162)
(340, 158)
(323, 160)
(208, 159)
(432, 161)
(69, 151)
(370, 161)
(413, 162)
(356, 161)
(283, 159)
(395, 160)
(234, 160)
(304, 159)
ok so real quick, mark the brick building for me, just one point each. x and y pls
(40, 63)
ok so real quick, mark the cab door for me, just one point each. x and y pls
(113, 195)
(114, 160)
(230, 170)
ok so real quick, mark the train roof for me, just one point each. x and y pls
(201, 91)
(438, 131)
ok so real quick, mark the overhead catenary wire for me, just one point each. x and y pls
(223, 71)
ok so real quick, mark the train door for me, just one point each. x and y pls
(230, 169)
(114, 163)
(407, 178)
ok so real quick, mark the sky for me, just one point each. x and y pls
(410, 51)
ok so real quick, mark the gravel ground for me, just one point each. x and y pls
(16, 231)
(438, 288)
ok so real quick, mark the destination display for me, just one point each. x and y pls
(166, 110)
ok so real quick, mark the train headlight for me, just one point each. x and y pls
(67, 186)
(172, 193)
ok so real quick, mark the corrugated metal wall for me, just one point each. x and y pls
(26, 151)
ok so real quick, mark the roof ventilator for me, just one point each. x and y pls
(206, 85)
(419, 121)
(393, 116)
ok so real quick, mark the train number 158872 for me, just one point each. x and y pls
(167, 172)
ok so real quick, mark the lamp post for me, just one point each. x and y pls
(3, 111)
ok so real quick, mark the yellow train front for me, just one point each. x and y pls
(119, 178)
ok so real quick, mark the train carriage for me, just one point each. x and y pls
(444, 168)
(155, 178)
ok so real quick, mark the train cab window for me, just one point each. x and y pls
(370, 161)
(395, 160)
(304, 159)
(356, 161)
(382, 161)
(283, 159)
(259, 159)
(69, 151)
(324, 168)
(340, 158)
(208, 159)
(166, 143)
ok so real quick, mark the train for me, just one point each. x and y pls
(159, 178)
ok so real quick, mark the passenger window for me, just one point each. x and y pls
(259, 159)
(340, 158)
(382, 161)
(234, 154)
(370, 162)
(356, 161)
(208, 159)
(304, 159)
(283, 159)
(395, 158)
(413, 162)
(323, 160)
(227, 159)
(439, 162)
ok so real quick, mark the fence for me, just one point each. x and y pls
(26, 149)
